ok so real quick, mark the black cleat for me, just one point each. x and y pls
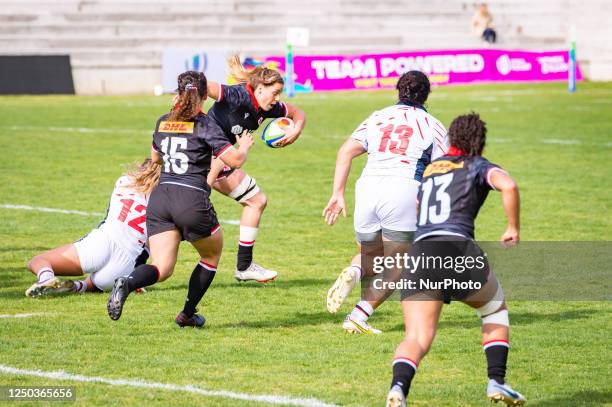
(196, 321)
(120, 292)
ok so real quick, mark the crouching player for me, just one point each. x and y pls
(110, 251)
(454, 188)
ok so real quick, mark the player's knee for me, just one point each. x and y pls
(494, 312)
(259, 201)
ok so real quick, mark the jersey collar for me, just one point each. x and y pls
(455, 152)
(253, 99)
(412, 105)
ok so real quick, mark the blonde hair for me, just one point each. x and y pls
(144, 177)
(260, 75)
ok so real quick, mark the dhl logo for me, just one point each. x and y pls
(176, 127)
(442, 167)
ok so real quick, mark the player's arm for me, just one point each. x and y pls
(213, 89)
(299, 120)
(236, 157)
(156, 156)
(502, 182)
(216, 166)
(336, 205)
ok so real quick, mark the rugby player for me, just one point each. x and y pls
(109, 251)
(401, 140)
(184, 142)
(453, 190)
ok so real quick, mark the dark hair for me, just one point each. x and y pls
(191, 89)
(413, 87)
(468, 133)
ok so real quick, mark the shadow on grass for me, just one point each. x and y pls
(289, 321)
(24, 249)
(581, 398)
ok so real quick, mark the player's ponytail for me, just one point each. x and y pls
(192, 89)
(144, 177)
(259, 75)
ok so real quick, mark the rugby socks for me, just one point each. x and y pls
(201, 278)
(245, 247)
(80, 286)
(497, 356)
(142, 276)
(362, 311)
(357, 270)
(45, 274)
(404, 370)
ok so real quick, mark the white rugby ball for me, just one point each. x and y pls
(276, 130)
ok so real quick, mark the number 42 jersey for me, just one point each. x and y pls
(401, 140)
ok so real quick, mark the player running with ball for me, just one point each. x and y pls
(453, 190)
(401, 140)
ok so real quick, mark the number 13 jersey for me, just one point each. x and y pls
(401, 140)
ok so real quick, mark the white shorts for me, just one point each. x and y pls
(385, 203)
(104, 259)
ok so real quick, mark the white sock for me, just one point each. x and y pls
(80, 286)
(45, 274)
(248, 235)
(362, 311)
(357, 271)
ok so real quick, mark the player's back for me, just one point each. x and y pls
(454, 188)
(401, 140)
(125, 221)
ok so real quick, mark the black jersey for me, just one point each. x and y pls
(187, 149)
(451, 194)
(237, 110)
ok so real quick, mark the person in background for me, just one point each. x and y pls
(482, 24)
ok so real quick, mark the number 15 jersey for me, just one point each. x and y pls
(401, 140)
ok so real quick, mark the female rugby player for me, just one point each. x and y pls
(244, 107)
(454, 188)
(179, 208)
(111, 250)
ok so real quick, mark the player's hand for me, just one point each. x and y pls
(291, 135)
(510, 237)
(245, 139)
(334, 208)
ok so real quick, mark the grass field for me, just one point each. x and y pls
(65, 152)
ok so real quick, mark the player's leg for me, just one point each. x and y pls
(490, 306)
(344, 284)
(420, 322)
(62, 261)
(202, 276)
(244, 189)
(164, 250)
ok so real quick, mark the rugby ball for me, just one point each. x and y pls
(275, 131)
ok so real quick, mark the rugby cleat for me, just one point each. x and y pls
(396, 398)
(503, 392)
(255, 273)
(52, 286)
(196, 321)
(117, 298)
(341, 289)
(355, 326)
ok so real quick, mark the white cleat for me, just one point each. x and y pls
(396, 398)
(355, 326)
(341, 289)
(52, 286)
(503, 392)
(255, 273)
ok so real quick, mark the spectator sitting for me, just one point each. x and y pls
(482, 24)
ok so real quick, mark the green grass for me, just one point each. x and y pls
(279, 339)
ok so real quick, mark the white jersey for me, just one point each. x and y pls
(125, 221)
(401, 141)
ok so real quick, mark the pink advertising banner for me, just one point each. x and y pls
(378, 71)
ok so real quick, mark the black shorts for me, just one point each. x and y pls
(179, 207)
(451, 268)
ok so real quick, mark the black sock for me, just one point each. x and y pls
(245, 256)
(403, 373)
(497, 356)
(201, 278)
(142, 276)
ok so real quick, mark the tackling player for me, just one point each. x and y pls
(401, 140)
(179, 208)
(244, 107)
(107, 252)
(453, 190)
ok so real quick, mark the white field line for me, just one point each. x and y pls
(34, 314)
(560, 141)
(82, 213)
(86, 130)
(263, 398)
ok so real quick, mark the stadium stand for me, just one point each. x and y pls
(116, 45)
